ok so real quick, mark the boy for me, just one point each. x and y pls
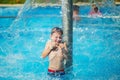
(57, 52)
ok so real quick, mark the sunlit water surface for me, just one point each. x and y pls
(96, 44)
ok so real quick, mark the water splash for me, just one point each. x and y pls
(96, 43)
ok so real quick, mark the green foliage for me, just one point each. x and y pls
(12, 1)
(47, 1)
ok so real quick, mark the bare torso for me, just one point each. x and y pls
(56, 59)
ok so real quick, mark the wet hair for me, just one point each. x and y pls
(96, 8)
(57, 29)
(75, 7)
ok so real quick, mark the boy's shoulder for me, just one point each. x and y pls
(49, 41)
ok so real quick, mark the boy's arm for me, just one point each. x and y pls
(46, 51)
(65, 51)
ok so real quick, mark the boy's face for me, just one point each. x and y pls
(56, 37)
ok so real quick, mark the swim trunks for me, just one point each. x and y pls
(56, 72)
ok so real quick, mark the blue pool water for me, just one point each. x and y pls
(96, 43)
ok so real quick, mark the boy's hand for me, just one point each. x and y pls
(53, 45)
(60, 47)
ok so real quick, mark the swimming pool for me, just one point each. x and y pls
(96, 44)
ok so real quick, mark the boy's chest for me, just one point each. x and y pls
(56, 54)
